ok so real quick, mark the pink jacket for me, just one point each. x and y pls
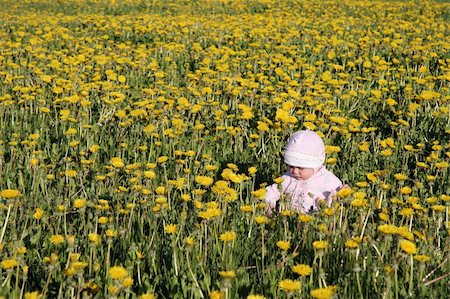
(305, 194)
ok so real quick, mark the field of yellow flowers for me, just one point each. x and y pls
(136, 139)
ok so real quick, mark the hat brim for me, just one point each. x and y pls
(298, 159)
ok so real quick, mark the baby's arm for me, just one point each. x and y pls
(273, 193)
(333, 187)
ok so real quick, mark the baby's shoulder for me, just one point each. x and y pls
(330, 178)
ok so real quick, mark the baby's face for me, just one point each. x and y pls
(300, 173)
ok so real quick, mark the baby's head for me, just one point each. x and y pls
(304, 154)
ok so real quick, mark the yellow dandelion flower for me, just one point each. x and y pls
(117, 162)
(431, 177)
(113, 289)
(70, 173)
(79, 203)
(246, 208)
(359, 202)
(404, 232)
(278, 180)
(38, 214)
(261, 219)
(228, 236)
(331, 161)
(127, 282)
(330, 149)
(185, 197)
(94, 238)
(406, 212)
(262, 126)
(408, 247)
(160, 190)
(386, 152)
(323, 293)
(56, 239)
(320, 245)
(121, 79)
(260, 193)
(9, 193)
(283, 245)
(252, 170)
(305, 218)
(118, 272)
(400, 177)
(289, 285)
(9, 264)
(406, 190)
(388, 229)
(189, 241)
(302, 269)
(422, 258)
(71, 131)
(329, 211)
(34, 162)
(364, 146)
(204, 180)
(227, 274)
(421, 164)
(162, 159)
(170, 229)
(344, 192)
(21, 250)
(70, 271)
(147, 296)
(441, 165)
(383, 216)
(94, 148)
(209, 213)
(32, 295)
(351, 244)
(371, 177)
(149, 174)
(216, 295)
(211, 167)
(362, 184)
(110, 233)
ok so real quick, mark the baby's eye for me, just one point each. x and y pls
(292, 167)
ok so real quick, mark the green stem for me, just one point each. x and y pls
(6, 222)
(47, 283)
(396, 281)
(108, 256)
(175, 264)
(263, 253)
(6, 282)
(206, 242)
(359, 285)
(23, 287)
(193, 276)
(411, 275)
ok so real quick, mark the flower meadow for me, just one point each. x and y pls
(137, 137)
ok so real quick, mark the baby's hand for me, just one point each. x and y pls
(270, 209)
(343, 187)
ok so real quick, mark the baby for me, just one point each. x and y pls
(307, 181)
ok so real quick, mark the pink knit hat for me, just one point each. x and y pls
(305, 149)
